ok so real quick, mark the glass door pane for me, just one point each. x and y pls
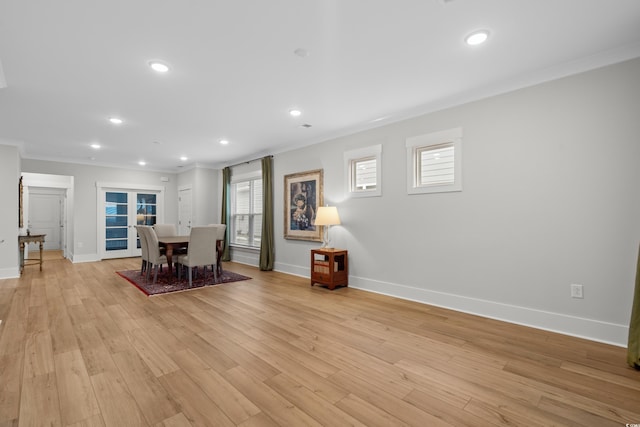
(116, 221)
(145, 211)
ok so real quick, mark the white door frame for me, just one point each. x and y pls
(104, 187)
(181, 226)
(62, 182)
(60, 195)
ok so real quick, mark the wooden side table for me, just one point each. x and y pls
(30, 238)
(330, 267)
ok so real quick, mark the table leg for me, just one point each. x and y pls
(169, 255)
(21, 256)
(41, 247)
(219, 249)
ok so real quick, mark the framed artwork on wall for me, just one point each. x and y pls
(303, 193)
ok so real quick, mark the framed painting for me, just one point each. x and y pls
(303, 193)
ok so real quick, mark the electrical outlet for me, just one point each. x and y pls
(576, 291)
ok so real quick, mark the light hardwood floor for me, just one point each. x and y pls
(80, 346)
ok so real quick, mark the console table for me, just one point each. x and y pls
(30, 238)
(330, 267)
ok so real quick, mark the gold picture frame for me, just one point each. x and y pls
(303, 194)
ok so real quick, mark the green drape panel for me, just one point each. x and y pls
(226, 214)
(267, 250)
(633, 349)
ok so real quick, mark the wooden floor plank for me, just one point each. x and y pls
(77, 399)
(39, 402)
(117, 405)
(151, 397)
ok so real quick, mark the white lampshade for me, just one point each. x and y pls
(327, 215)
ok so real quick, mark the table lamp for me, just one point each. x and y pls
(327, 216)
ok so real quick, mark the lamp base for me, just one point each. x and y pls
(325, 238)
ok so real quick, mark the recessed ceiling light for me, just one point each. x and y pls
(115, 120)
(295, 112)
(184, 158)
(477, 37)
(224, 141)
(142, 163)
(95, 146)
(158, 66)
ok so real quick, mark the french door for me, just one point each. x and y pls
(122, 209)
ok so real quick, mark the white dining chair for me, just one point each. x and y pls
(220, 232)
(144, 248)
(165, 230)
(200, 253)
(156, 259)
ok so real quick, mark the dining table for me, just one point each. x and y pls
(173, 243)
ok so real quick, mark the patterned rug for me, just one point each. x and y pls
(163, 285)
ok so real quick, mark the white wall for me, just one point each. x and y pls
(550, 197)
(9, 179)
(84, 245)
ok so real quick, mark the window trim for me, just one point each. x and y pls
(350, 159)
(417, 144)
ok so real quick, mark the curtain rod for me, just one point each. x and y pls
(249, 161)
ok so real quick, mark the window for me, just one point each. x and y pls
(434, 162)
(246, 212)
(363, 169)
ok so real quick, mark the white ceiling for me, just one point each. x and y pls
(70, 65)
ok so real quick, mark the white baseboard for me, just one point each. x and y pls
(292, 269)
(84, 258)
(9, 273)
(590, 329)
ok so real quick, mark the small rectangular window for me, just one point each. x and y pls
(435, 165)
(364, 171)
(434, 162)
(363, 174)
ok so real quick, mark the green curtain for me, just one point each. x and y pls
(267, 251)
(225, 215)
(633, 349)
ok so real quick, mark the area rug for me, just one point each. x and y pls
(163, 285)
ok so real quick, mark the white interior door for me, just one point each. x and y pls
(45, 216)
(184, 211)
(121, 210)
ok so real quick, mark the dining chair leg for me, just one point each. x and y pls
(190, 274)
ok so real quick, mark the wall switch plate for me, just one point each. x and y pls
(576, 291)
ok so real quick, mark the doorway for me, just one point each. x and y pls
(46, 215)
(48, 209)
